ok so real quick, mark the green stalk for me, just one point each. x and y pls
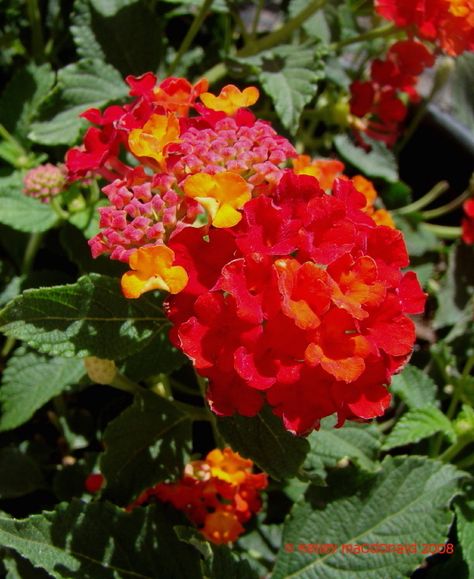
(37, 42)
(422, 202)
(382, 32)
(280, 35)
(193, 30)
(240, 23)
(443, 231)
(455, 448)
(448, 207)
(256, 18)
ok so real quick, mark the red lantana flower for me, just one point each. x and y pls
(304, 306)
(449, 23)
(467, 223)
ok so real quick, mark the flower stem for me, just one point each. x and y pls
(256, 18)
(448, 207)
(443, 231)
(193, 30)
(381, 32)
(37, 43)
(455, 448)
(428, 198)
(281, 34)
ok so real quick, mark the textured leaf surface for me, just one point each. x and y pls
(86, 84)
(380, 162)
(263, 439)
(414, 387)
(289, 75)
(101, 541)
(149, 442)
(21, 212)
(418, 424)
(88, 318)
(20, 102)
(360, 443)
(99, 27)
(30, 380)
(405, 503)
(20, 474)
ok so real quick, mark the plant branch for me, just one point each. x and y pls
(193, 30)
(422, 202)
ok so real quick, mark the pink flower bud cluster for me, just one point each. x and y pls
(139, 216)
(254, 151)
(44, 182)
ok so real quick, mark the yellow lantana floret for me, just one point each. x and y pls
(152, 269)
(228, 465)
(152, 139)
(231, 99)
(221, 195)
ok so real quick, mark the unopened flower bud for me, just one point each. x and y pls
(99, 370)
(44, 182)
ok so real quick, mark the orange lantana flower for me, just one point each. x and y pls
(152, 269)
(151, 140)
(231, 99)
(221, 195)
(229, 466)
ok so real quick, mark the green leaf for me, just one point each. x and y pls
(30, 380)
(418, 424)
(149, 442)
(99, 27)
(219, 560)
(465, 529)
(457, 287)
(21, 212)
(289, 75)
(101, 541)
(406, 503)
(359, 443)
(21, 100)
(82, 85)
(20, 474)
(379, 162)
(263, 439)
(414, 387)
(88, 318)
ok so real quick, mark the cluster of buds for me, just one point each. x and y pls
(218, 494)
(447, 23)
(44, 182)
(286, 285)
(379, 103)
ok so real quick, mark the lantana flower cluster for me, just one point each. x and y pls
(447, 23)
(381, 102)
(218, 494)
(284, 290)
